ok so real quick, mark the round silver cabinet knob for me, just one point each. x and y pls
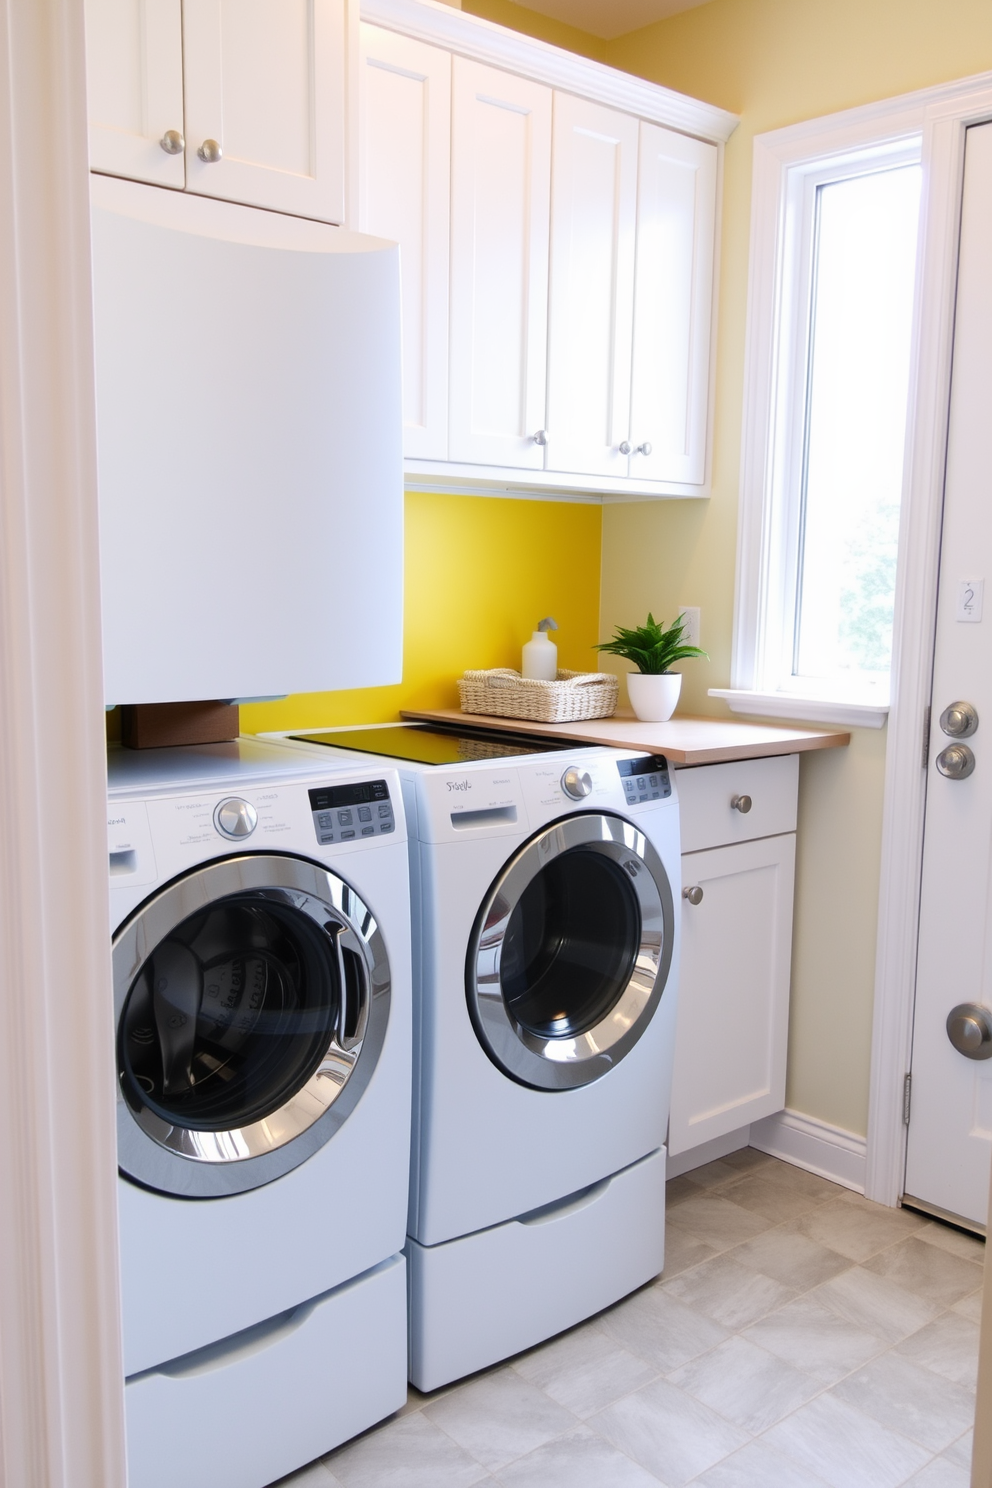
(956, 762)
(959, 720)
(625, 447)
(210, 152)
(741, 803)
(172, 142)
(541, 437)
(235, 818)
(693, 894)
(576, 783)
(969, 1028)
(645, 448)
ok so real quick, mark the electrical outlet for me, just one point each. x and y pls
(692, 624)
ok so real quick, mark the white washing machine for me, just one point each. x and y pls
(262, 1002)
(546, 882)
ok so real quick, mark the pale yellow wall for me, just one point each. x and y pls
(480, 573)
(520, 18)
(776, 62)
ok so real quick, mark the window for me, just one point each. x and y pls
(830, 316)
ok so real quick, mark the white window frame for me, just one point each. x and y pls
(789, 165)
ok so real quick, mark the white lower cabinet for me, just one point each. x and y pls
(733, 1022)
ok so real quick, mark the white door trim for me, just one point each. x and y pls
(61, 1381)
(945, 122)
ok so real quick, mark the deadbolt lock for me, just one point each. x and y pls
(959, 720)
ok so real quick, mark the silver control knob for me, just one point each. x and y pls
(956, 762)
(741, 804)
(693, 894)
(969, 1028)
(541, 437)
(576, 783)
(959, 720)
(235, 818)
(172, 142)
(210, 152)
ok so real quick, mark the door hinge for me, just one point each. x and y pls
(907, 1098)
(926, 738)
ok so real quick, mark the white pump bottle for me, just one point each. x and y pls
(540, 655)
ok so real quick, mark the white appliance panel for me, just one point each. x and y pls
(250, 451)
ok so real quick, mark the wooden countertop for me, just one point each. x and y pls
(684, 741)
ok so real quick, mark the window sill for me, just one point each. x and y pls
(809, 709)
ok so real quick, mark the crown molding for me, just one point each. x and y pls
(469, 36)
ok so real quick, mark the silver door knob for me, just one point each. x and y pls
(541, 437)
(576, 783)
(210, 152)
(956, 762)
(969, 1028)
(959, 720)
(693, 894)
(741, 804)
(643, 449)
(235, 818)
(172, 142)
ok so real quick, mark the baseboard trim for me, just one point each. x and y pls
(829, 1151)
(707, 1152)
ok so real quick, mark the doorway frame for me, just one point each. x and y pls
(948, 113)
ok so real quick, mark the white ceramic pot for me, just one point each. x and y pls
(653, 695)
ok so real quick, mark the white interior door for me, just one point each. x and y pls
(264, 80)
(404, 196)
(500, 203)
(134, 77)
(673, 306)
(733, 1022)
(593, 216)
(950, 1131)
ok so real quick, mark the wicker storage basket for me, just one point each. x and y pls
(503, 693)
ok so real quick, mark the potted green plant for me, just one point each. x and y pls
(653, 688)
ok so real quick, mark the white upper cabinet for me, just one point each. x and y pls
(500, 202)
(239, 99)
(593, 218)
(134, 65)
(673, 297)
(264, 81)
(404, 195)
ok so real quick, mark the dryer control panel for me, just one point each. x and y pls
(645, 779)
(344, 813)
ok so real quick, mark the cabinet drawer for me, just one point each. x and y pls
(706, 793)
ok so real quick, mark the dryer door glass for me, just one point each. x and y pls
(242, 1025)
(571, 952)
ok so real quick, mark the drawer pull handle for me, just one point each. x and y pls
(693, 894)
(741, 804)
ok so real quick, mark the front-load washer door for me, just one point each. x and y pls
(252, 997)
(571, 952)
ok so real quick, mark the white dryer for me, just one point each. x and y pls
(262, 1003)
(545, 886)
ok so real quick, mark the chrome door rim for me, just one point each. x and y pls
(555, 1063)
(202, 1164)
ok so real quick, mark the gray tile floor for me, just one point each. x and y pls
(800, 1337)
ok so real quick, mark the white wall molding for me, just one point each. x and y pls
(61, 1383)
(441, 25)
(814, 1145)
(946, 120)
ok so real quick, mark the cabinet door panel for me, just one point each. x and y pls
(594, 177)
(676, 210)
(500, 196)
(405, 192)
(134, 73)
(733, 1022)
(265, 79)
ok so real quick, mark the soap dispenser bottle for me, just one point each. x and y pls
(540, 655)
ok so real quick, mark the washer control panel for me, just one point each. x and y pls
(346, 813)
(645, 779)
